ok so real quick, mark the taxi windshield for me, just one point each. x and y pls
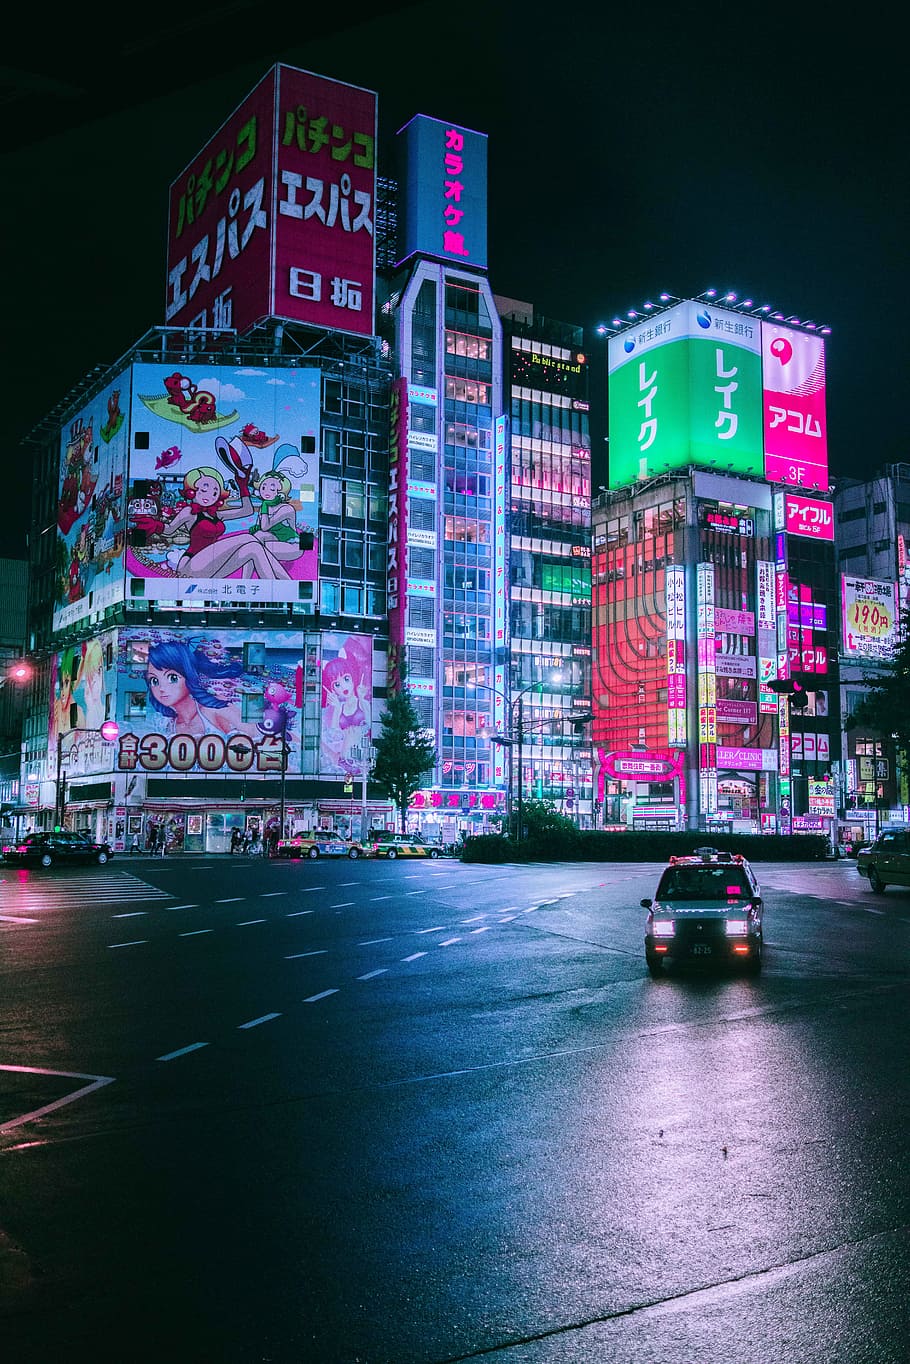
(702, 883)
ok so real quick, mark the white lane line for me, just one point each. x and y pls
(414, 956)
(342, 885)
(194, 933)
(97, 1082)
(11, 919)
(267, 894)
(370, 974)
(182, 906)
(440, 928)
(266, 1018)
(244, 922)
(231, 900)
(530, 909)
(296, 913)
(181, 1051)
(373, 898)
(508, 919)
(369, 942)
(324, 994)
(308, 890)
(135, 943)
(342, 904)
(485, 929)
(413, 892)
(321, 952)
(476, 919)
(448, 942)
(414, 876)
(134, 914)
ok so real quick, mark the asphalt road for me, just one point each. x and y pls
(415, 1112)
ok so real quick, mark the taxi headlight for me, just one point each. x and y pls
(737, 928)
(663, 928)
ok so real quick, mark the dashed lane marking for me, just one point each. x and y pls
(194, 933)
(137, 942)
(440, 928)
(254, 1022)
(370, 941)
(231, 900)
(244, 923)
(448, 942)
(268, 894)
(321, 952)
(370, 974)
(296, 913)
(414, 956)
(323, 994)
(181, 1051)
(132, 914)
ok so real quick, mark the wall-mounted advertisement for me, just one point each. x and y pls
(206, 702)
(83, 678)
(677, 697)
(347, 704)
(808, 517)
(275, 216)
(90, 507)
(793, 400)
(397, 556)
(224, 479)
(685, 388)
(445, 192)
(868, 618)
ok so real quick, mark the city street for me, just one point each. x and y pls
(411, 1112)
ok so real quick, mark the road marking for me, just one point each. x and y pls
(194, 932)
(181, 1051)
(96, 1082)
(244, 922)
(231, 900)
(476, 919)
(135, 943)
(342, 904)
(413, 892)
(379, 897)
(321, 952)
(448, 942)
(508, 919)
(485, 929)
(369, 942)
(267, 894)
(324, 994)
(413, 876)
(414, 956)
(440, 928)
(370, 974)
(133, 914)
(266, 1018)
(182, 906)
(11, 919)
(343, 884)
(296, 913)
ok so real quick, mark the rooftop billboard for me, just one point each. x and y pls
(274, 217)
(445, 192)
(793, 403)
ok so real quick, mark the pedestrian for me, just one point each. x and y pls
(236, 838)
(134, 845)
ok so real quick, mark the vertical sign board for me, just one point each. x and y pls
(869, 618)
(793, 400)
(685, 388)
(707, 690)
(445, 192)
(675, 584)
(397, 557)
(274, 217)
(499, 580)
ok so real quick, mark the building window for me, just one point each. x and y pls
(331, 445)
(353, 500)
(376, 556)
(329, 598)
(331, 496)
(421, 562)
(329, 541)
(351, 600)
(353, 551)
(421, 613)
(421, 513)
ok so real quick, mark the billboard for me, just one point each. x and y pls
(808, 517)
(208, 702)
(685, 388)
(274, 217)
(445, 192)
(868, 618)
(793, 405)
(82, 677)
(223, 482)
(347, 704)
(397, 557)
(90, 507)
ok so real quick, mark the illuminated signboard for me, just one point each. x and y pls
(275, 216)
(675, 586)
(445, 192)
(793, 399)
(500, 591)
(397, 559)
(869, 617)
(655, 764)
(747, 759)
(531, 368)
(809, 517)
(707, 689)
(685, 388)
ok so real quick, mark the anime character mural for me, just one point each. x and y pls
(241, 508)
(195, 687)
(347, 702)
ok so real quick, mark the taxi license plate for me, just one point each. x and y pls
(701, 949)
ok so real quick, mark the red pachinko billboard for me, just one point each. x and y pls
(793, 401)
(275, 216)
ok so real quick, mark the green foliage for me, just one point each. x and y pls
(403, 753)
(540, 818)
(885, 707)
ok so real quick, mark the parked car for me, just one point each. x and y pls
(318, 844)
(402, 845)
(886, 862)
(46, 849)
(707, 908)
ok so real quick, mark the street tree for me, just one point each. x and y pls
(403, 752)
(886, 705)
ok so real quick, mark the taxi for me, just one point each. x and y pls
(402, 845)
(707, 908)
(318, 844)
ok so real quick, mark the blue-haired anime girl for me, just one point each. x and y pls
(196, 693)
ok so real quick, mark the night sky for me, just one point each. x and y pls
(633, 149)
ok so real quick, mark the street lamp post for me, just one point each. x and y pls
(108, 731)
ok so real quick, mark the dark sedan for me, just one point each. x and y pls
(45, 850)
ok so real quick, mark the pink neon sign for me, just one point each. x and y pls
(795, 432)
(809, 517)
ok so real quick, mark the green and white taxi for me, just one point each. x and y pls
(401, 845)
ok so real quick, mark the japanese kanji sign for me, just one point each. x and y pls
(445, 192)
(793, 380)
(275, 215)
(809, 517)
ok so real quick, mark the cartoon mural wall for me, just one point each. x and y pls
(224, 478)
(208, 702)
(347, 703)
(90, 510)
(82, 677)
